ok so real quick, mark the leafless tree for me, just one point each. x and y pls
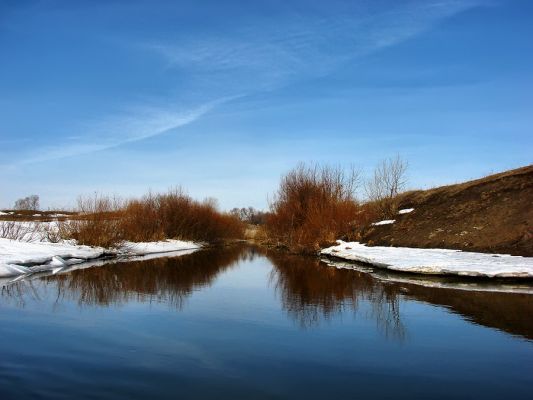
(28, 203)
(249, 215)
(387, 182)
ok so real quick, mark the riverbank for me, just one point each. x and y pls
(434, 261)
(488, 215)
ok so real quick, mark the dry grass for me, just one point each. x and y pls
(314, 206)
(256, 233)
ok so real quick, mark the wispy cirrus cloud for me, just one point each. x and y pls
(107, 133)
(274, 52)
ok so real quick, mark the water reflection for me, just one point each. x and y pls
(508, 312)
(505, 304)
(171, 280)
(310, 291)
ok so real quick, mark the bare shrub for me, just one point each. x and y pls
(314, 206)
(55, 231)
(387, 182)
(141, 220)
(13, 230)
(98, 222)
(21, 230)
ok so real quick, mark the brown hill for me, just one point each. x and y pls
(493, 214)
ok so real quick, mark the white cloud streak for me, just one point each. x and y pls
(117, 131)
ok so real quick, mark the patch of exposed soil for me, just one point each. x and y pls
(493, 214)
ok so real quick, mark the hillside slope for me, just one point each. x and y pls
(493, 214)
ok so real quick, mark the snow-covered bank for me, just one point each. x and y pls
(434, 261)
(20, 258)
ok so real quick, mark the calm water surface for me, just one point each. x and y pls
(242, 323)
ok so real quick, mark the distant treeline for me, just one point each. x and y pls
(250, 215)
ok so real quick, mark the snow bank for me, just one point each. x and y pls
(18, 257)
(385, 222)
(435, 261)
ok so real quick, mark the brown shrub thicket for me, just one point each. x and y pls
(176, 215)
(99, 222)
(314, 206)
(107, 222)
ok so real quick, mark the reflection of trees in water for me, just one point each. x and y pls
(311, 292)
(385, 301)
(170, 280)
(19, 292)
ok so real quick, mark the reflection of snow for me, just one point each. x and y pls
(435, 281)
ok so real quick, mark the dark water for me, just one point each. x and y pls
(242, 323)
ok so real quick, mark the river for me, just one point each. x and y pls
(244, 322)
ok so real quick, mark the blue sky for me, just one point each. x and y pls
(223, 97)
